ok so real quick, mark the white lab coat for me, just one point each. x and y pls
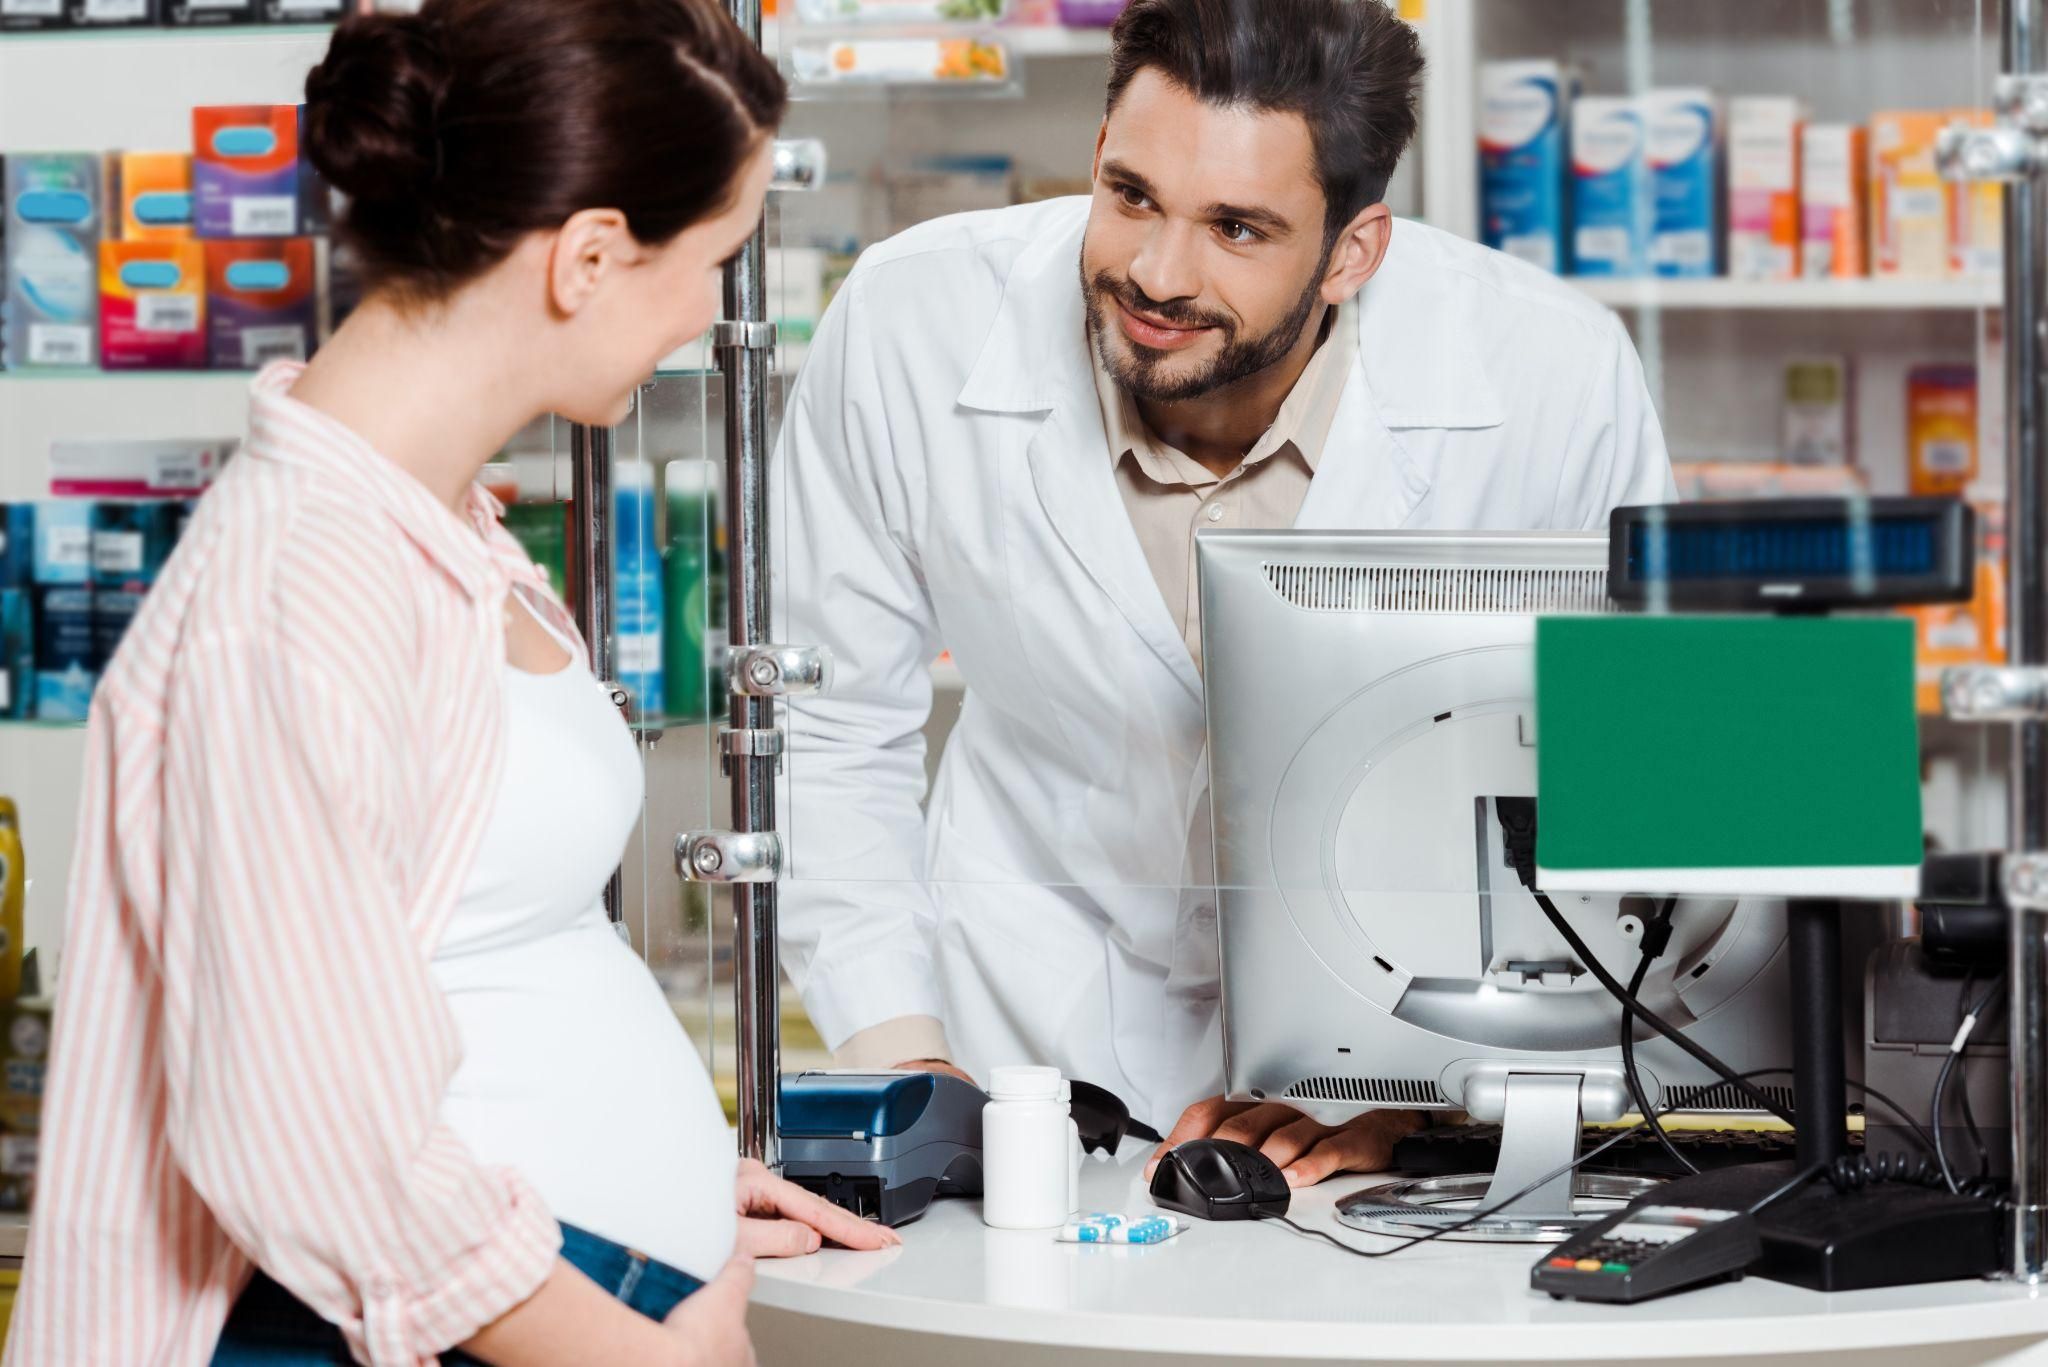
(944, 482)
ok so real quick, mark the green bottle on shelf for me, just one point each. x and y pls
(691, 490)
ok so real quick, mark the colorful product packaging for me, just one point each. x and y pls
(1972, 633)
(1941, 429)
(63, 551)
(67, 662)
(149, 196)
(1683, 128)
(1763, 187)
(28, 15)
(52, 250)
(17, 545)
(261, 305)
(111, 13)
(1834, 227)
(1909, 199)
(247, 175)
(188, 13)
(17, 654)
(153, 306)
(1976, 214)
(301, 11)
(1819, 412)
(1611, 195)
(1524, 112)
(24, 1062)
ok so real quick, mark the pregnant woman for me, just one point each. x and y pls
(349, 1064)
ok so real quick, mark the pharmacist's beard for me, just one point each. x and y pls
(1147, 375)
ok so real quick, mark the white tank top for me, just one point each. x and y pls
(575, 1070)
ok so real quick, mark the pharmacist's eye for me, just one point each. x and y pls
(1237, 233)
(1132, 197)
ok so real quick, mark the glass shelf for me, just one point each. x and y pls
(252, 33)
(31, 724)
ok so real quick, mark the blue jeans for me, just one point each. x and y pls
(269, 1327)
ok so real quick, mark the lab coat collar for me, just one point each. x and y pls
(1416, 350)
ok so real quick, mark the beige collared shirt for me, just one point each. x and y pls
(1170, 496)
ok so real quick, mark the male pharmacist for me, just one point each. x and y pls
(1010, 428)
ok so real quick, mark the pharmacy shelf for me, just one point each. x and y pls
(1795, 295)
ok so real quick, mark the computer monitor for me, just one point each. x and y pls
(1370, 699)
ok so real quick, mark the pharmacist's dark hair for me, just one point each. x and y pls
(1351, 68)
(456, 131)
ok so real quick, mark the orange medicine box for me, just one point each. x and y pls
(1909, 199)
(149, 196)
(1976, 214)
(1834, 200)
(1971, 633)
(1941, 429)
(153, 305)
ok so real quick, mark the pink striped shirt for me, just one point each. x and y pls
(288, 768)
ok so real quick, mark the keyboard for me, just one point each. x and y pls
(1475, 1148)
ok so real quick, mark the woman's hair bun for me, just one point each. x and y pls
(373, 107)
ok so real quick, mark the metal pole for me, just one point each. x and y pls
(744, 357)
(590, 486)
(2026, 309)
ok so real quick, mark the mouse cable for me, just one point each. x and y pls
(1663, 1027)
(1588, 1156)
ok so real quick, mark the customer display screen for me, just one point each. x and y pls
(1829, 549)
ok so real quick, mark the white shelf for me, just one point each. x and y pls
(1800, 295)
(1059, 42)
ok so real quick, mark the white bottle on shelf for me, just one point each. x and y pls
(1027, 1140)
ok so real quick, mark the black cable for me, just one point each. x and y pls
(1797, 1180)
(1634, 1077)
(1655, 1021)
(1968, 1024)
(1904, 1116)
(1469, 1220)
(1138, 1129)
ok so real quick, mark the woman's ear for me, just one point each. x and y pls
(585, 248)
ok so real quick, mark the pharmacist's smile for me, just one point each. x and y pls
(1157, 336)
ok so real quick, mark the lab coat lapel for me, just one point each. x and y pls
(1418, 373)
(1036, 361)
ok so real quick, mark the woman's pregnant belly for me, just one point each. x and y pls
(576, 1073)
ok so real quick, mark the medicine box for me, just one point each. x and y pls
(1834, 224)
(17, 545)
(1909, 199)
(248, 178)
(1611, 193)
(185, 13)
(153, 306)
(261, 305)
(52, 259)
(17, 654)
(23, 15)
(1683, 128)
(1524, 114)
(1819, 421)
(67, 666)
(301, 11)
(1941, 429)
(1976, 214)
(112, 13)
(63, 552)
(149, 196)
(1763, 187)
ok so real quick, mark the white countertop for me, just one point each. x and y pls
(1264, 1291)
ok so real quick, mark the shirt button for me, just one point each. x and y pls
(1215, 512)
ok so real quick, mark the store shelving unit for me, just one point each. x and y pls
(1801, 296)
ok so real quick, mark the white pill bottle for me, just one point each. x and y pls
(1025, 1139)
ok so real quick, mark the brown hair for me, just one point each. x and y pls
(456, 131)
(1350, 68)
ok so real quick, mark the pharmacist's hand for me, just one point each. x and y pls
(780, 1219)
(933, 1065)
(1307, 1151)
(710, 1327)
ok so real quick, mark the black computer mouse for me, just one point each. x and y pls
(1217, 1179)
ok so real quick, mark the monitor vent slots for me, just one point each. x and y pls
(1722, 1097)
(1460, 589)
(1375, 1091)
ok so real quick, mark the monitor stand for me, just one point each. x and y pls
(1539, 1134)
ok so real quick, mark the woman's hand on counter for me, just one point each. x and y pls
(710, 1327)
(1306, 1150)
(933, 1065)
(779, 1219)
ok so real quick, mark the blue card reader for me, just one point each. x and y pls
(881, 1144)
